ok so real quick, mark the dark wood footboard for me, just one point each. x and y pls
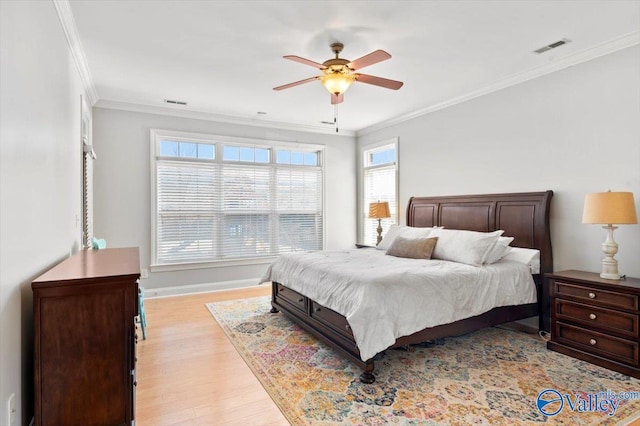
(333, 329)
(327, 325)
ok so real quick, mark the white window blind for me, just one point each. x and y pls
(299, 208)
(239, 204)
(186, 214)
(379, 184)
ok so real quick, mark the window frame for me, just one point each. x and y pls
(363, 208)
(156, 135)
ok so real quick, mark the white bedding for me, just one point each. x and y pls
(385, 297)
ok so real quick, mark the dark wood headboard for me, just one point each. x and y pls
(524, 216)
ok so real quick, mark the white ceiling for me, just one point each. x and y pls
(224, 57)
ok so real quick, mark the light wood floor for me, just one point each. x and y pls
(189, 373)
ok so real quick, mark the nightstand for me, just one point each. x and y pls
(596, 320)
(363, 246)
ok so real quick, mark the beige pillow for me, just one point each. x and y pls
(412, 248)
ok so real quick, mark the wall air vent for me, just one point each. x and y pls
(173, 102)
(552, 46)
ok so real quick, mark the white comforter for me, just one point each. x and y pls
(385, 297)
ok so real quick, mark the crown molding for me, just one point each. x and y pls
(628, 40)
(219, 118)
(63, 8)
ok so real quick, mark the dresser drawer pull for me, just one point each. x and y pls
(592, 342)
(592, 295)
(593, 316)
(347, 327)
(301, 300)
(317, 310)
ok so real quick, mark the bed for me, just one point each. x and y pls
(523, 216)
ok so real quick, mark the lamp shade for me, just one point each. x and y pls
(609, 208)
(379, 210)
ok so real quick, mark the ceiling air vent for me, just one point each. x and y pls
(171, 101)
(552, 46)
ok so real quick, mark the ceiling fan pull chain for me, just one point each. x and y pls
(335, 116)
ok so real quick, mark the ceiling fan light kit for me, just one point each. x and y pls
(337, 81)
(338, 73)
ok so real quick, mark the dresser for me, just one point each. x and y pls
(596, 320)
(84, 339)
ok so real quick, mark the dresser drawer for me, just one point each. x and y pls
(610, 347)
(331, 319)
(595, 296)
(604, 319)
(291, 297)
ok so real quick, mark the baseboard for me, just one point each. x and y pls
(182, 290)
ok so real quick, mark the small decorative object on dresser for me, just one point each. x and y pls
(379, 210)
(610, 208)
(596, 320)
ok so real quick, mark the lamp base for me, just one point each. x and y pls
(379, 229)
(609, 263)
(610, 276)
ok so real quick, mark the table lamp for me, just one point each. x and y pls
(609, 208)
(379, 210)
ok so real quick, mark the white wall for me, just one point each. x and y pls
(122, 186)
(40, 185)
(574, 131)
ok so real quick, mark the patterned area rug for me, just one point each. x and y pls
(492, 376)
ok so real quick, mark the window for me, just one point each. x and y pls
(221, 198)
(379, 184)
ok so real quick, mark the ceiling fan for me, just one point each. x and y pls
(338, 73)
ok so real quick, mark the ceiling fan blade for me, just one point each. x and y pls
(370, 59)
(304, 61)
(379, 81)
(337, 99)
(295, 83)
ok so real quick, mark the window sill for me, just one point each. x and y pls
(166, 267)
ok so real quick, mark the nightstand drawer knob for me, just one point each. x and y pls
(592, 342)
(593, 316)
(301, 300)
(592, 295)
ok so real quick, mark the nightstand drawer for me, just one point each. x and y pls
(610, 347)
(606, 320)
(595, 296)
(292, 297)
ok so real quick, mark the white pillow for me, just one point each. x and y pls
(388, 238)
(530, 257)
(499, 250)
(408, 232)
(461, 246)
